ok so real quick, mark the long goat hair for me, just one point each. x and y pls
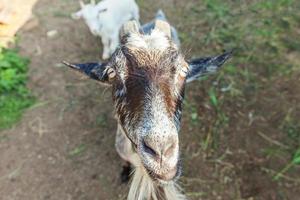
(144, 188)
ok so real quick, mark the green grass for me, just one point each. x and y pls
(78, 150)
(295, 160)
(193, 115)
(262, 33)
(14, 96)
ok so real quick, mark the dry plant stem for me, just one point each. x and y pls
(271, 140)
(285, 169)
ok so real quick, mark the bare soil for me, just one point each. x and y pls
(63, 148)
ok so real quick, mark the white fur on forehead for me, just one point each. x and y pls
(157, 40)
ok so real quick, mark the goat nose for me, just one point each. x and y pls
(158, 148)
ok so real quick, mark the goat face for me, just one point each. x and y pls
(91, 14)
(148, 99)
(148, 76)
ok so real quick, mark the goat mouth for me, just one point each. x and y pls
(166, 178)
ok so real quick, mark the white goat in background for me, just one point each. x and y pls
(105, 19)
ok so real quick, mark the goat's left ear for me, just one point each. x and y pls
(97, 71)
(203, 66)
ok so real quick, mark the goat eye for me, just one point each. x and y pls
(183, 71)
(111, 73)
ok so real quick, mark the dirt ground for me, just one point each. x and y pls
(63, 148)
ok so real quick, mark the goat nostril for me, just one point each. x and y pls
(149, 150)
(169, 151)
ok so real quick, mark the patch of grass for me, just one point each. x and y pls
(217, 8)
(140, 2)
(193, 114)
(294, 161)
(258, 32)
(221, 120)
(14, 96)
(78, 150)
(102, 120)
(288, 147)
(61, 14)
(291, 128)
(293, 131)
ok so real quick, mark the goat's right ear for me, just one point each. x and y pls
(97, 71)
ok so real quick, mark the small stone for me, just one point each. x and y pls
(52, 33)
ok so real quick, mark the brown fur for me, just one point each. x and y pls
(148, 70)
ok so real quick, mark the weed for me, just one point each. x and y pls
(102, 120)
(213, 99)
(78, 150)
(14, 96)
(291, 129)
(61, 14)
(193, 114)
(217, 8)
(221, 120)
(294, 161)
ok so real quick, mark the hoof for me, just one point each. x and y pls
(125, 174)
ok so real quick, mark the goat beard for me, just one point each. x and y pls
(143, 187)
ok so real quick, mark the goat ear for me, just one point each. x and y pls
(203, 66)
(163, 26)
(97, 71)
(81, 3)
(76, 15)
(129, 27)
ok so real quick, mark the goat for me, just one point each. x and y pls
(105, 20)
(148, 75)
